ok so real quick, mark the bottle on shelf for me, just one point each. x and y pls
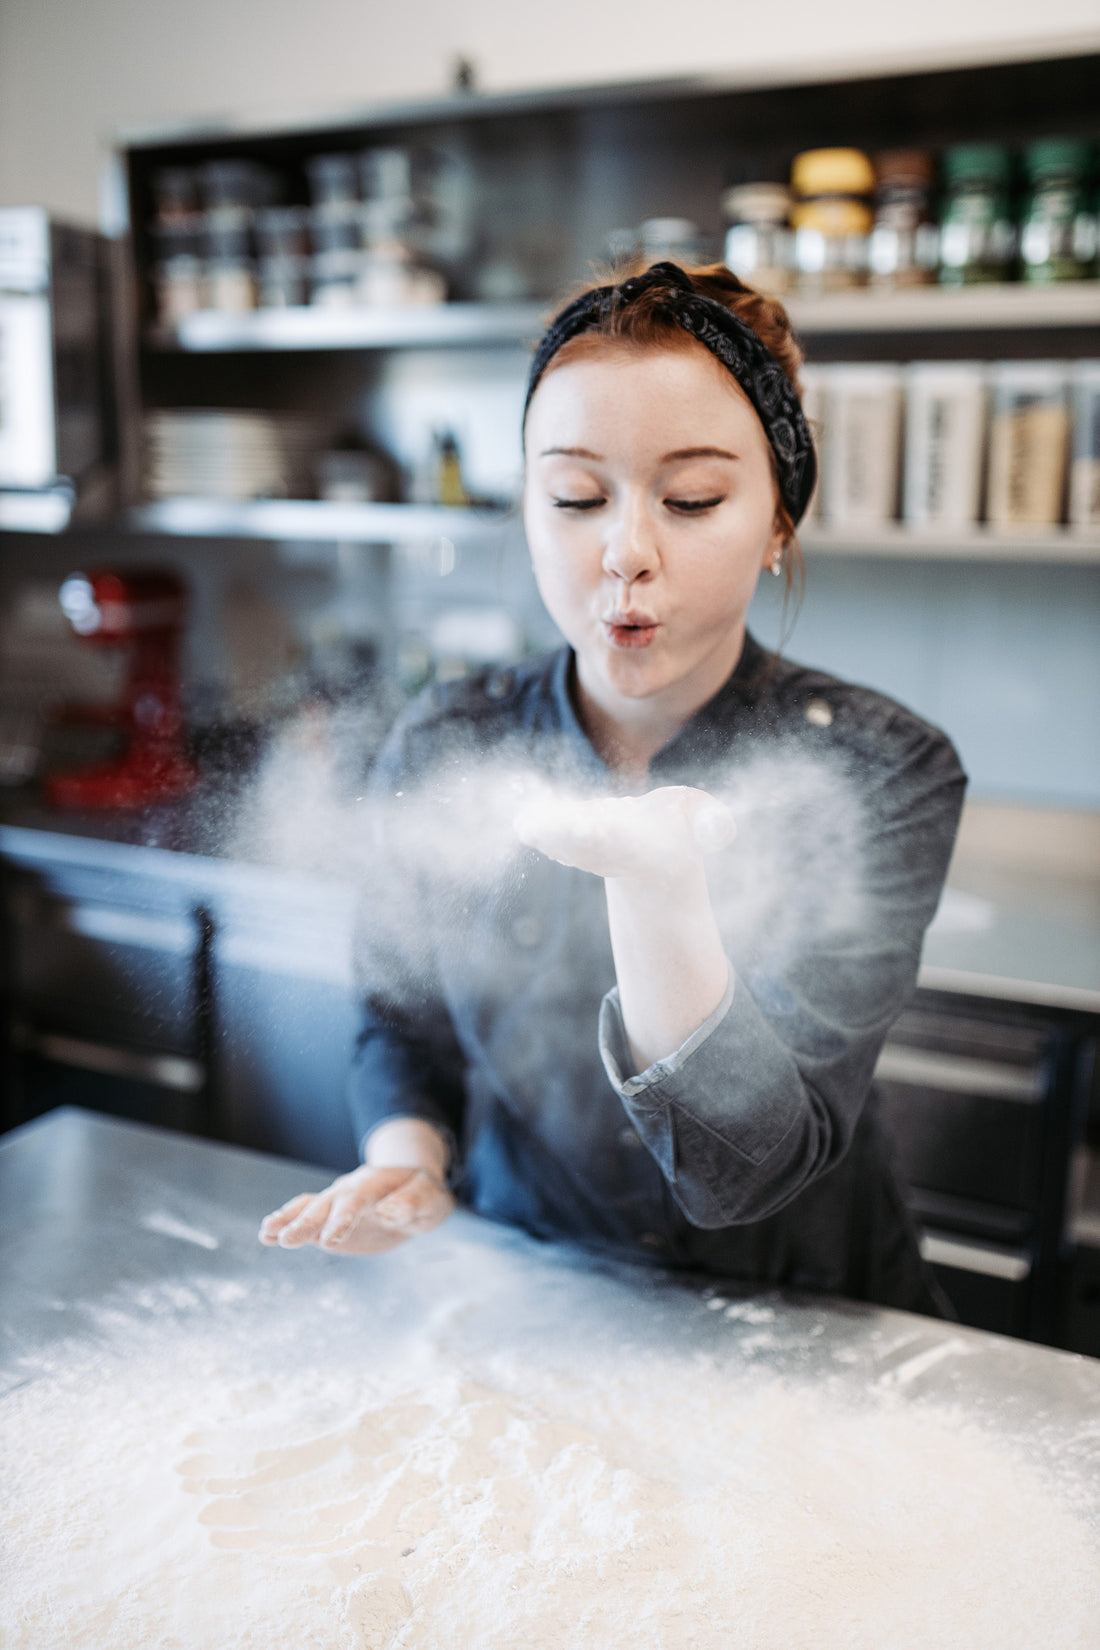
(832, 218)
(1058, 232)
(450, 488)
(977, 234)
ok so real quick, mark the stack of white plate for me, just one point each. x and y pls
(232, 455)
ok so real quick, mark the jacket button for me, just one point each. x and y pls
(819, 713)
(653, 1240)
(628, 1137)
(499, 684)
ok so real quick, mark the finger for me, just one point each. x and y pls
(306, 1227)
(273, 1224)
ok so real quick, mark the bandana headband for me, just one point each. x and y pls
(732, 341)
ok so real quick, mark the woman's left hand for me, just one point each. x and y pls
(658, 836)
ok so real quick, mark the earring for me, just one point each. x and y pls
(776, 566)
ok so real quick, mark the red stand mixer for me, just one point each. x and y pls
(144, 611)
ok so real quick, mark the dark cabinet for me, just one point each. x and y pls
(179, 991)
(219, 997)
(985, 1102)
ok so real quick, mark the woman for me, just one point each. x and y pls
(646, 1035)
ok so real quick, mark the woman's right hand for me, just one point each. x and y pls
(366, 1212)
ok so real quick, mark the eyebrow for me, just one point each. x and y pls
(668, 458)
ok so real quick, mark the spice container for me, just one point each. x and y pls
(179, 273)
(178, 269)
(977, 236)
(1084, 481)
(863, 418)
(904, 244)
(232, 191)
(1029, 437)
(1057, 231)
(832, 218)
(945, 406)
(336, 226)
(282, 263)
(759, 246)
(230, 273)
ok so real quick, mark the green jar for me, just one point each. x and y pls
(977, 234)
(1058, 224)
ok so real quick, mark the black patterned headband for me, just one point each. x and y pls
(728, 338)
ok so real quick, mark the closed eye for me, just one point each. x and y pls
(578, 503)
(692, 506)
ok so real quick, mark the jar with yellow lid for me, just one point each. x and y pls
(832, 218)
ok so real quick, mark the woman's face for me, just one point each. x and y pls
(650, 509)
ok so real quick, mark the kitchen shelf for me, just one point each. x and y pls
(211, 332)
(316, 520)
(319, 520)
(48, 511)
(978, 543)
(963, 309)
(921, 309)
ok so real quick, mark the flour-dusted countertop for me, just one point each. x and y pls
(481, 1441)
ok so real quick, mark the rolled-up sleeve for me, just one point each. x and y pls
(764, 1096)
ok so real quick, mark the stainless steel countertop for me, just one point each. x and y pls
(94, 1213)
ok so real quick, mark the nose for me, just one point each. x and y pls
(630, 552)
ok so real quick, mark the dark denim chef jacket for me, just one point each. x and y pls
(754, 1151)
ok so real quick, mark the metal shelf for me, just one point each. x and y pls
(933, 308)
(319, 521)
(210, 332)
(315, 520)
(894, 540)
(920, 309)
(47, 511)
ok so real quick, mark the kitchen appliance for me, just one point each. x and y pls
(144, 610)
(56, 407)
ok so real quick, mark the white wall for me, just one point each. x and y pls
(72, 72)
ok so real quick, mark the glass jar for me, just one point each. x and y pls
(282, 240)
(1057, 231)
(759, 247)
(832, 218)
(676, 239)
(904, 244)
(977, 236)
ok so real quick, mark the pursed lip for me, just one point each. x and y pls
(630, 628)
